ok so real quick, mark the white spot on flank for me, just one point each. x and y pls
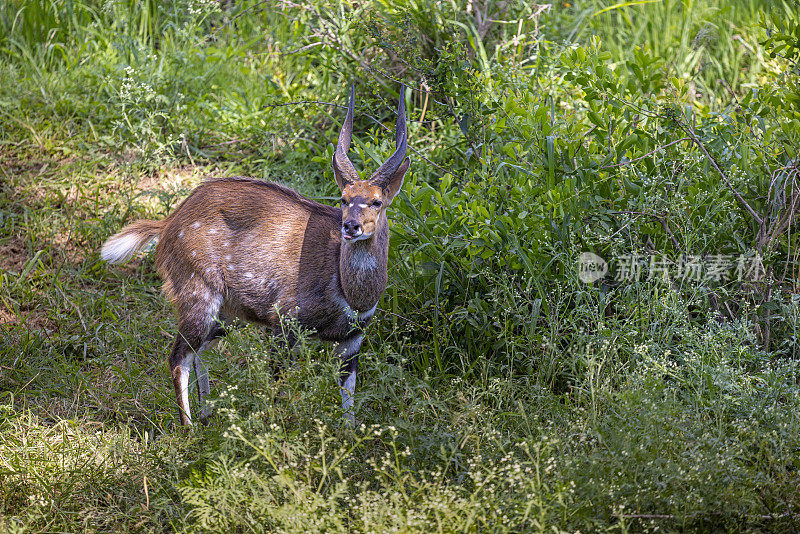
(225, 244)
(248, 275)
(195, 224)
(231, 268)
(194, 253)
(192, 276)
(227, 256)
(180, 234)
(212, 231)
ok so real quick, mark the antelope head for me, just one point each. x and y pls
(364, 201)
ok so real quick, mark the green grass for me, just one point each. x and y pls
(496, 392)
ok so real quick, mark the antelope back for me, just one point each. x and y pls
(253, 242)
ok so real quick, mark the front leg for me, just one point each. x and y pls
(348, 352)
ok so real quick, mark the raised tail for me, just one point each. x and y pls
(121, 246)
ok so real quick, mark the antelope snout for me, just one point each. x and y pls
(351, 229)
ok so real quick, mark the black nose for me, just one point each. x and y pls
(352, 227)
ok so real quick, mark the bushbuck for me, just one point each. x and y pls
(246, 249)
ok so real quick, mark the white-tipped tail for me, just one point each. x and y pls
(121, 247)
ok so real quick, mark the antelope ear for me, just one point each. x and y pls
(392, 186)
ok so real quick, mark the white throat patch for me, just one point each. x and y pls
(361, 260)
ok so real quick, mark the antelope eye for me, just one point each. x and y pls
(377, 203)
(343, 202)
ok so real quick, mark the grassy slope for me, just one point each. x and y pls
(88, 436)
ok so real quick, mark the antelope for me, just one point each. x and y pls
(245, 249)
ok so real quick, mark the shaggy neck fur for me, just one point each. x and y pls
(362, 268)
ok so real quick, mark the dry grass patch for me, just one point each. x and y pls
(13, 254)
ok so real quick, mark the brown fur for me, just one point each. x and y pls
(258, 245)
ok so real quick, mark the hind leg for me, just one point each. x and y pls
(195, 323)
(181, 358)
(217, 332)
